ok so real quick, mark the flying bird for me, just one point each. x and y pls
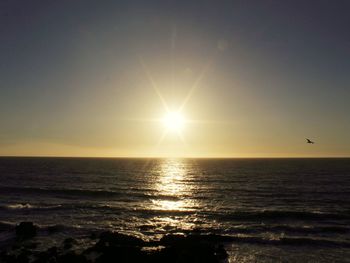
(309, 141)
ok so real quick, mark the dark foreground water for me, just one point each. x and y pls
(295, 210)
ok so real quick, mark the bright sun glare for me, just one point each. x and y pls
(174, 121)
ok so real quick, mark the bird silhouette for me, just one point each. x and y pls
(309, 141)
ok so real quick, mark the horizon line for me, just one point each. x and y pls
(175, 157)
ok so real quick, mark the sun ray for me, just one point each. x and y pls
(141, 119)
(173, 45)
(154, 85)
(182, 138)
(209, 122)
(161, 138)
(195, 85)
(174, 121)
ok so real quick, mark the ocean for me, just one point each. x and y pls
(276, 210)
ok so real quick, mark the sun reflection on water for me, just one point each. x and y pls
(171, 186)
(174, 195)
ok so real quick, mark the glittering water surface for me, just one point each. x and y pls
(275, 208)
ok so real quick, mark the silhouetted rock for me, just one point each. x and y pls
(52, 251)
(114, 247)
(117, 239)
(26, 230)
(93, 236)
(71, 257)
(121, 254)
(7, 257)
(171, 239)
(192, 248)
(69, 242)
(44, 257)
(192, 239)
(221, 253)
(23, 257)
(31, 245)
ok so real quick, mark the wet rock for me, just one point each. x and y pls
(121, 254)
(71, 257)
(115, 247)
(117, 239)
(221, 253)
(191, 254)
(26, 230)
(172, 239)
(7, 257)
(52, 251)
(48, 256)
(91, 256)
(16, 246)
(93, 236)
(31, 245)
(43, 257)
(192, 248)
(23, 257)
(68, 243)
(193, 239)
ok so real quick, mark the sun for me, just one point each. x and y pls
(174, 121)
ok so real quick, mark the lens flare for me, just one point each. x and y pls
(174, 121)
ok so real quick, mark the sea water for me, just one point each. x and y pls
(295, 210)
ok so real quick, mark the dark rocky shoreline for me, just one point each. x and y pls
(115, 247)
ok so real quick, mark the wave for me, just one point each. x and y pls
(282, 241)
(68, 206)
(300, 241)
(106, 208)
(282, 215)
(28, 206)
(57, 191)
(25, 206)
(310, 230)
(121, 194)
(290, 230)
(18, 206)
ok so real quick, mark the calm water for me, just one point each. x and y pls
(295, 210)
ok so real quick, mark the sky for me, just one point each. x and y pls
(252, 78)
